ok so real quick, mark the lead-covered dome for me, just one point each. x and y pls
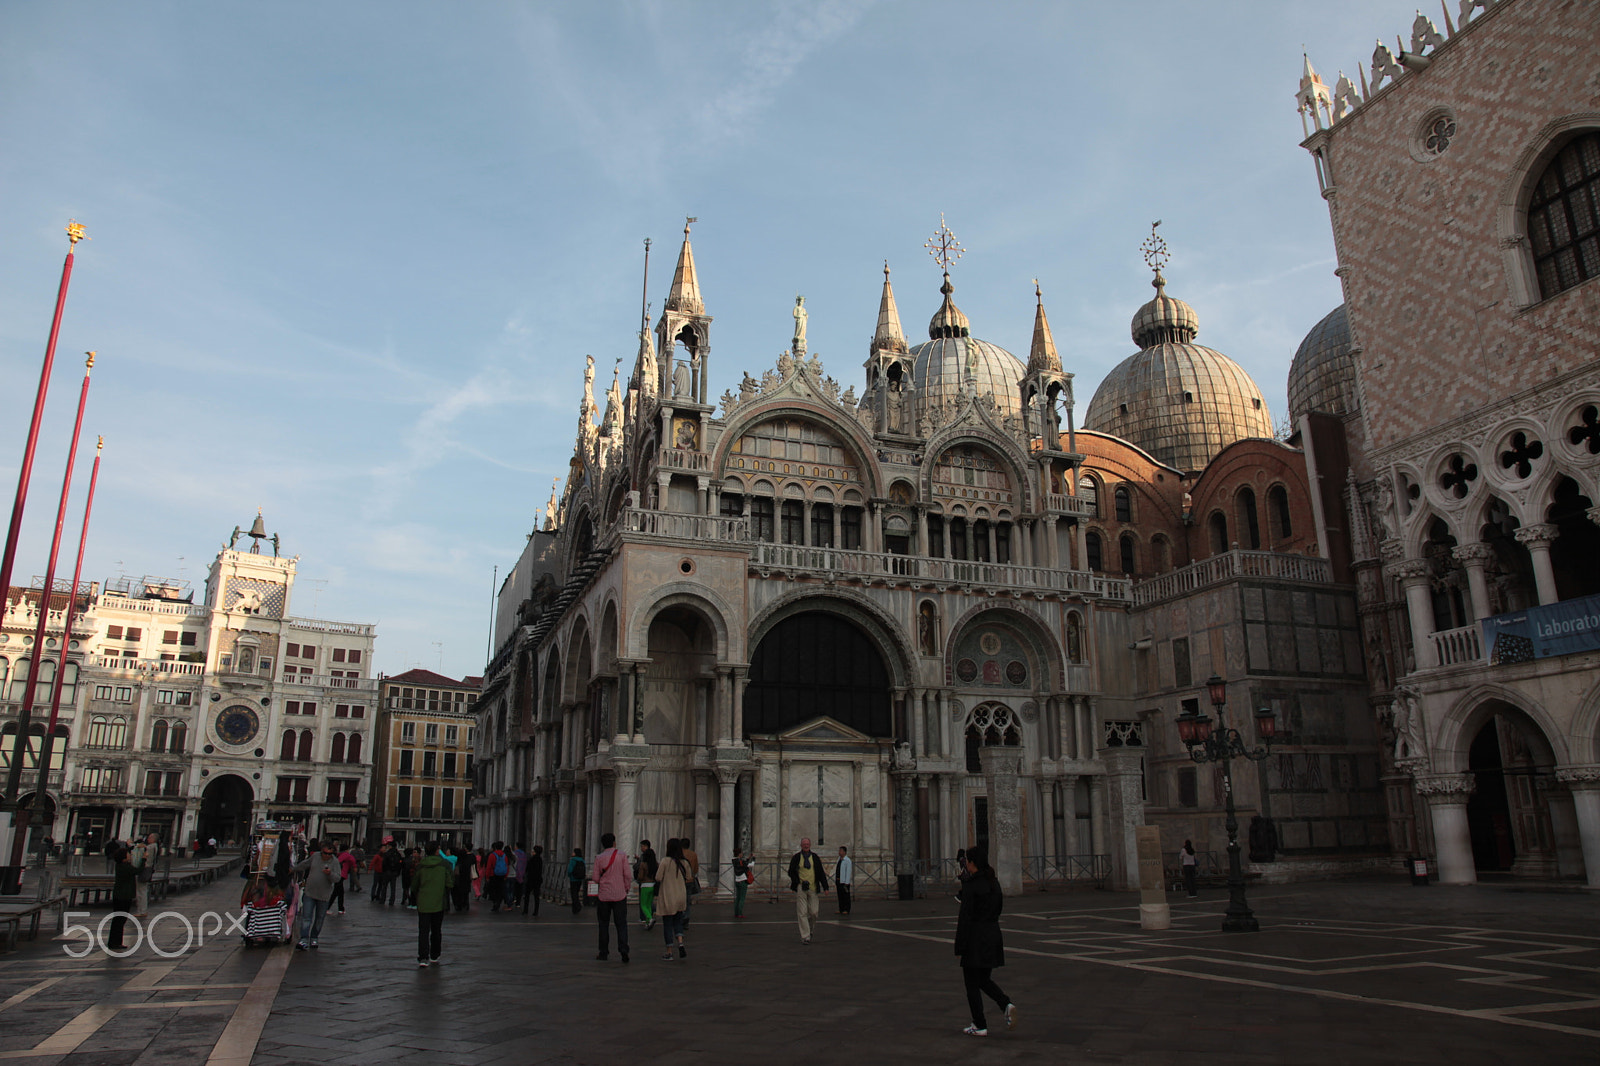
(1322, 376)
(1181, 402)
(940, 365)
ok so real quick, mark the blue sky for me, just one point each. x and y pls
(347, 259)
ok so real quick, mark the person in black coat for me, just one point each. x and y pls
(533, 882)
(978, 940)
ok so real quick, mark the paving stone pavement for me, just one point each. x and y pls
(1340, 973)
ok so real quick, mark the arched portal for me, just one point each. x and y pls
(816, 663)
(1508, 813)
(677, 705)
(225, 809)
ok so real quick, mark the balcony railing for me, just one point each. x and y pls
(123, 603)
(103, 788)
(1074, 505)
(316, 625)
(359, 684)
(684, 459)
(30, 775)
(1231, 565)
(160, 666)
(683, 526)
(1457, 647)
(846, 563)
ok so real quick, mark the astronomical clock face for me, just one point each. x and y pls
(238, 725)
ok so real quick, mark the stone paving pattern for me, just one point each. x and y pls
(1347, 973)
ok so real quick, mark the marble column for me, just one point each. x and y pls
(905, 836)
(1001, 765)
(726, 780)
(1080, 545)
(741, 677)
(701, 814)
(1473, 558)
(1537, 538)
(1415, 575)
(916, 723)
(805, 523)
(951, 820)
(838, 527)
(1584, 784)
(702, 487)
(627, 804)
(724, 714)
(1097, 815)
(1069, 817)
(1447, 796)
(924, 818)
(922, 530)
(1125, 813)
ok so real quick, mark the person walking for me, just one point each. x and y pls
(477, 874)
(644, 872)
(575, 876)
(433, 879)
(388, 872)
(466, 867)
(347, 866)
(979, 943)
(321, 870)
(807, 880)
(408, 873)
(516, 883)
(611, 904)
(533, 883)
(693, 860)
(672, 898)
(1191, 868)
(496, 869)
(741, 882)
(844, 874)
(124, 892)
(145, 856)
(359, 854)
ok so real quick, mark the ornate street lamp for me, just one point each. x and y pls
(1223, 745)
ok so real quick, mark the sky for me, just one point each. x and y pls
(346, 259)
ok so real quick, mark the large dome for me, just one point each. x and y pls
(1323, 374)
(1180, 402)
(940, 372)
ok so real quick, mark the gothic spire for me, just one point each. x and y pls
(685, 294)
(889, 336)
(1043, 355)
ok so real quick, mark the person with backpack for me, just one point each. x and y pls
(498, 866)
(575, 877)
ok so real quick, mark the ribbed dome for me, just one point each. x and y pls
(1180, 402)
(1164, 320)
(1323, 374)
(940, 372)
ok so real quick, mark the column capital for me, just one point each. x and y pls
(1540, 533)
(1472, 554)
(1446, 789)
(1409, 570)
(1582, 778)
(1594, 515)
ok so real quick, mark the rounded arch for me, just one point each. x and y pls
(1471, 710)
(225, 807)
(606, 648)
(1002, 446)
(850, 433)
(818, 662)
(1516, 193)
(696, 597)
(578, 657)
(893, 642)
(1033, 629)
(1585, 746)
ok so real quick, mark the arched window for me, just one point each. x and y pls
(286, 749)
(69, 683)
(1564, 217)
(158, 735)
(352, 752)
(1125, 547)
(97, 731)
(337, 755)
(1091, 549)
(178, 738)
(1161, 553)
(247, 659)
(19, 678)
(1089, 493)
(1124, 504)
(1248, 520)
(1219, 533)
(5, 672)
(305, 746)
(117, 733)
(1278, 508)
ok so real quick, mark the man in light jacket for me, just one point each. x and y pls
(807, 880)
(322, 872)
(610, 872)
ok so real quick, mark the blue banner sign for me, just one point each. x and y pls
(1543, 632)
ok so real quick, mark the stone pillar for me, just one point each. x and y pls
(1001, 764)
(1125, 813)
(702, 487)
(1080, 545)
(1097, 815)
(924, 841)
(726, 780)
(1447, 796)
(640, 675)
(915, 724)
(724, 713)
(1069, 817)
(951, 819)
(905, 823)
(838, 525)
(989, 531)
(1082, 728)
(741, 677)
(594, 811)
(564, 843)
(1584, 783)
(1047, 814)
(805, 523)
(1414, 578)
(1052, 546)
(700, 813)
(663, 479)
(922, 530)
(1473, 557)
(1538, 538)
(1153, 910)
(627, 803)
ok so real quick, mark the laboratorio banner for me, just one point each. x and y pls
(1543, 632)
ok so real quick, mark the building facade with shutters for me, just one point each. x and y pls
(423, 776)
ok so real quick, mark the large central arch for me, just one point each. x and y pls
(814, 663)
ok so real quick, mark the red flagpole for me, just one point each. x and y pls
(74, 235)
(25, 715)
(72, 610)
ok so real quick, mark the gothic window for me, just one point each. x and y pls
(958, 538)
(1124, 504)
(980, 541)
(1278, 508)
(1219, 532)
(1458, 476)
(304, 754)
(1587, 431)
(936, 536)
(732, 505)
(1564, 217)
(989, 725)
(1091, 548)
(1248, 517)
(1521, 454)
(1125, 547)
(1577, 544)
(117, 733)
(1437, 137)
(1002, 542)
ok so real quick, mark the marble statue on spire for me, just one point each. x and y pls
(800, 316)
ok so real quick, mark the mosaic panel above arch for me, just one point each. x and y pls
(797, 448)
(973, 473)
(992, 656)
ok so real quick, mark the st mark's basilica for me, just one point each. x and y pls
(942, 602)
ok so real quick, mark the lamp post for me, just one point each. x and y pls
(1221, 744)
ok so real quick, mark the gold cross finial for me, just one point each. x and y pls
(1155, 250)
(75, 231)
(943, 246)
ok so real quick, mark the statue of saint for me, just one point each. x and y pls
(234, 540)
(681, 382)
(800, 316)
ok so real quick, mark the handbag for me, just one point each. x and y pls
(592, 890)
(692, 886)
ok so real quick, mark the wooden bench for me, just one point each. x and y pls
(87, 888)
(14, 910)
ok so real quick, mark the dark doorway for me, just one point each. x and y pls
(1508, 814)
(980, 822)
(815, 664)
(225, 809)
(1488, 809)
